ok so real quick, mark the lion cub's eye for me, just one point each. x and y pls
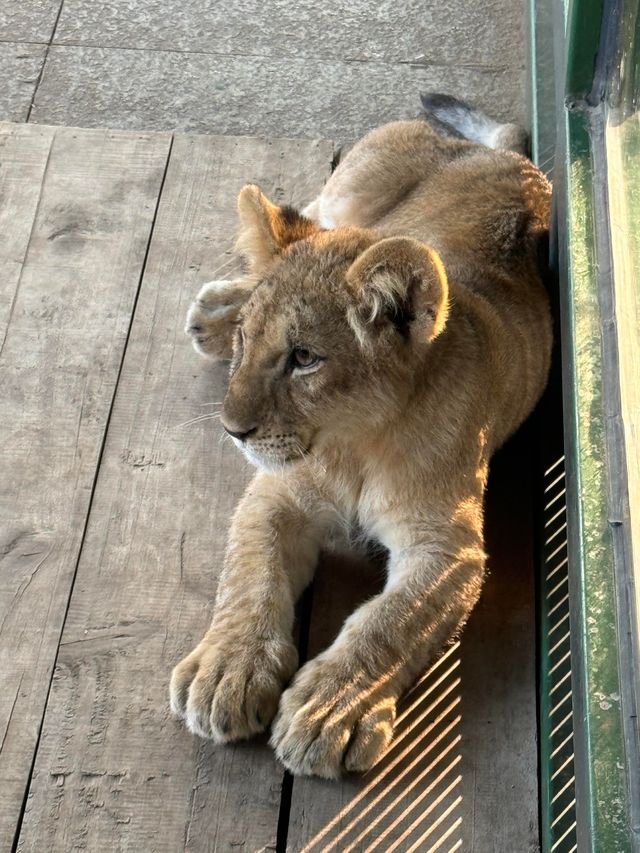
(304, 360)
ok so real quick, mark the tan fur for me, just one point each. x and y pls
(425, 302)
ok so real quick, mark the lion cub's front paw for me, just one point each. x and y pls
(332, 719)
(228, 692)
(213, 315)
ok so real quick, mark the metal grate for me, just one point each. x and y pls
(558, 801)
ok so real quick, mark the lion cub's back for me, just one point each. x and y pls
(487, 214)
(480, 207)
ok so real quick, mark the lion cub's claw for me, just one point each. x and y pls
(228, 693)
(329, 723)
(212, 317)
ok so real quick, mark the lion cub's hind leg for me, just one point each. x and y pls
(213, 315)
(379, 172)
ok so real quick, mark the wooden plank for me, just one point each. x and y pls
(113, 764)
(67, 319)
(24, 152)
(462, 770)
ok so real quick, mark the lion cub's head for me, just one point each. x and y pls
(328, 342)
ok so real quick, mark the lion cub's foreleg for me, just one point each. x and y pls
(339, 712)
(229, 686)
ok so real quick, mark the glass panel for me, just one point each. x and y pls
(623, 159)
(623, 167)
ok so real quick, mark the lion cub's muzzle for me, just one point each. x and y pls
(273, 451)
(265, 448)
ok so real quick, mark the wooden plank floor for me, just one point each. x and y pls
(114, 516)
(79, 208)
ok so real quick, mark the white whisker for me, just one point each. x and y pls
(299, 449)
(224, 435)
(234, 260)
(317, 461)
(208, 416)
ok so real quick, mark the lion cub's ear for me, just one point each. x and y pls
(399, 284)
(266, 229)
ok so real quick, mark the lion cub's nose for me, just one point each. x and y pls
(240, 434)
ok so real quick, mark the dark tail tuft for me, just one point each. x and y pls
(453, 117)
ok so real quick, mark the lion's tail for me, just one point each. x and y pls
(455, 118)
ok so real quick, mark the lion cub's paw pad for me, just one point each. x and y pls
(229, 694)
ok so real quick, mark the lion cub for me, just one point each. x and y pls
(383, 345)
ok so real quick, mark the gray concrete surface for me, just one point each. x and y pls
(266, 67)
(28, 20)
(270, 96)
(20, 67)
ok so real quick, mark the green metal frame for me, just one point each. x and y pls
(601, 769)
(589, 766)
(557, 772)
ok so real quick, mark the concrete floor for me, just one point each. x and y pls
(255, 67)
